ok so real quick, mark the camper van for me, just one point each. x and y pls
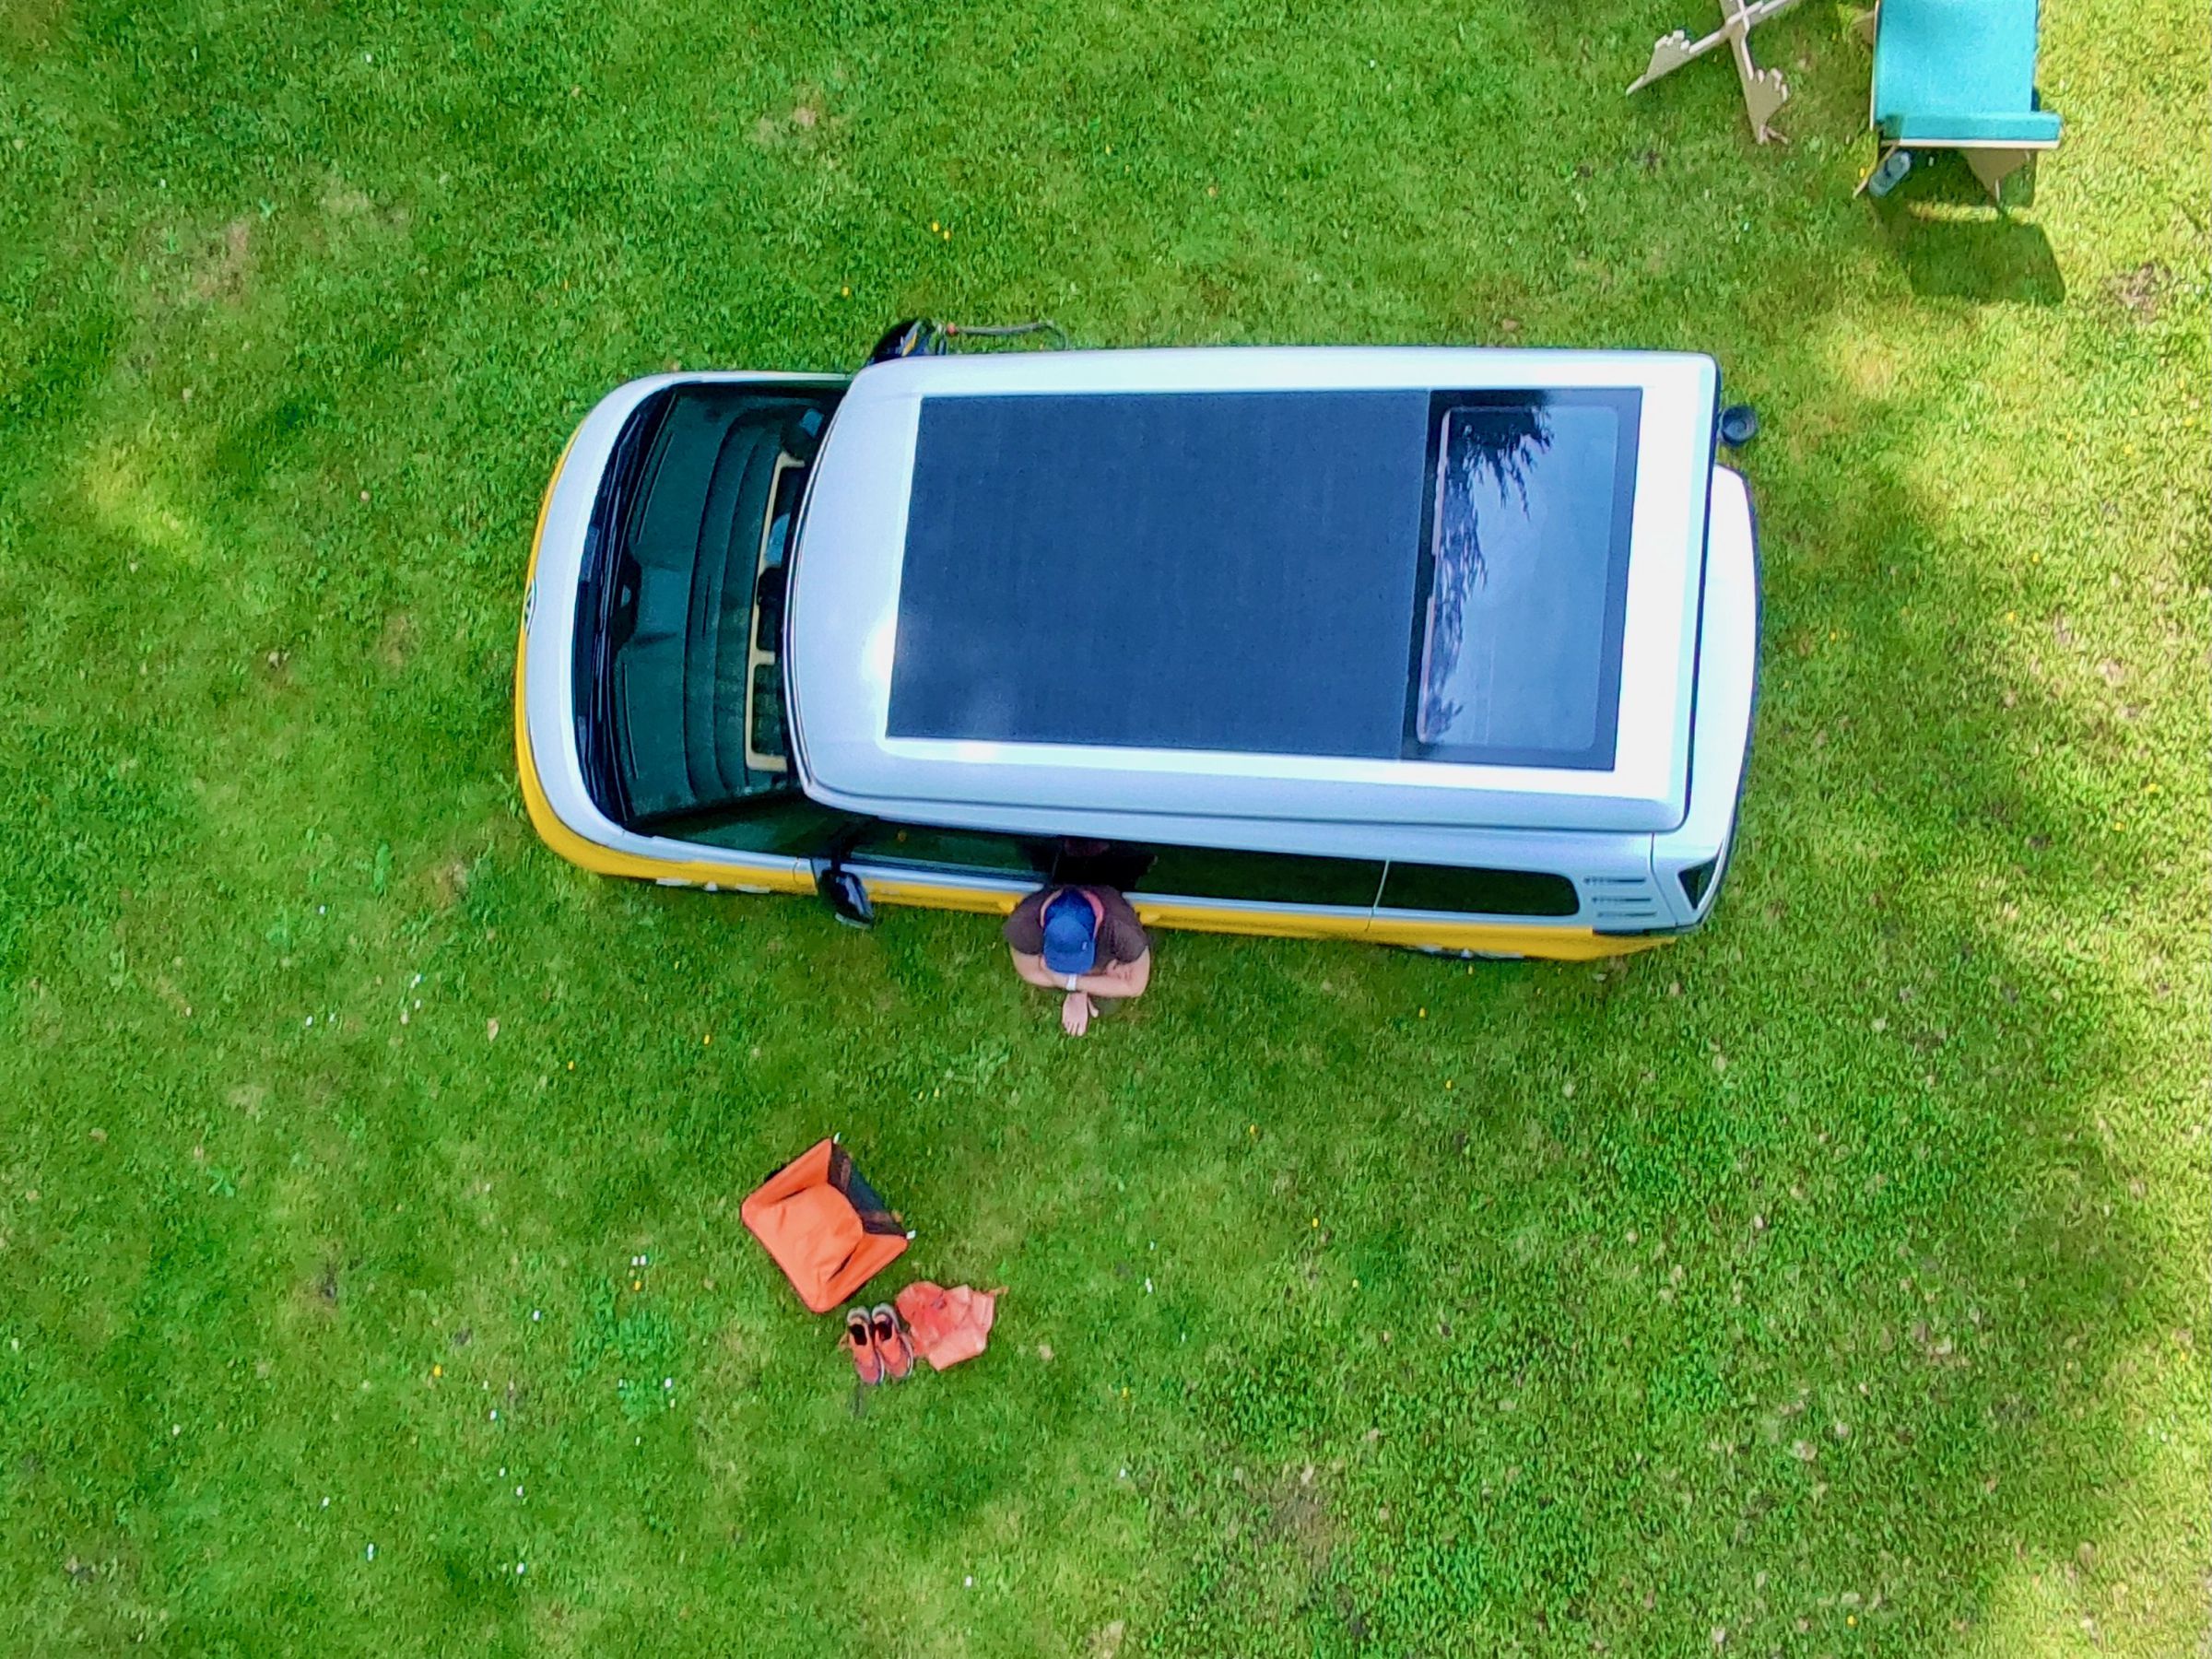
(1452, 648)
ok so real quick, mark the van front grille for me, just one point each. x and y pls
(1622, 903)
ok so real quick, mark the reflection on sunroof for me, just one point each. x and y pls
(1524, 578)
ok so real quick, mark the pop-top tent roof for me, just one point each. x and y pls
(1421, 586)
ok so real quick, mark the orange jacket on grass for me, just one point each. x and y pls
(824, 1225)
(948, 1327)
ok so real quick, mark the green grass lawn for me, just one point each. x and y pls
(1834, 1282)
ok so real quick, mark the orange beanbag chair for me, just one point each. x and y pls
(824, 1225)
(948, 1327)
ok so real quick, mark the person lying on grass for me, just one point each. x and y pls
(1082, 941)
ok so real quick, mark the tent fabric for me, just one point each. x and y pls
(824, 1226)
(948, 1327)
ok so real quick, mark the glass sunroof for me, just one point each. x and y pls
(1524, 579)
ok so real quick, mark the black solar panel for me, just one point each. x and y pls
(1209, 571)
(1382, 574)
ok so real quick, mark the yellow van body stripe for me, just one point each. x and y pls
(1511, 938)
(1559, 943)
(1236, 919)
(1505, 939)
(981, 901)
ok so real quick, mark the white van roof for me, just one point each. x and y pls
(1425, 586)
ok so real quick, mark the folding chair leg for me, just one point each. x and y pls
(1993, 167)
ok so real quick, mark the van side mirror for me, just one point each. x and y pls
(910, 337)
(1739, 425)
(844, 893)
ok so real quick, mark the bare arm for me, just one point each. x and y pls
(1122, 980)
(1075, 1005)
(1033, 970)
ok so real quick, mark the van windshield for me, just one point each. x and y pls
(690, 689)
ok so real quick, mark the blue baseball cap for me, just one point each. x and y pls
(1071, 932)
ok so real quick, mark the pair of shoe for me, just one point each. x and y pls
(878, 1345)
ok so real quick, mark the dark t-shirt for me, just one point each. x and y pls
(1121, 935)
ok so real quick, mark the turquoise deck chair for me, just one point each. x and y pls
(1956, 75)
